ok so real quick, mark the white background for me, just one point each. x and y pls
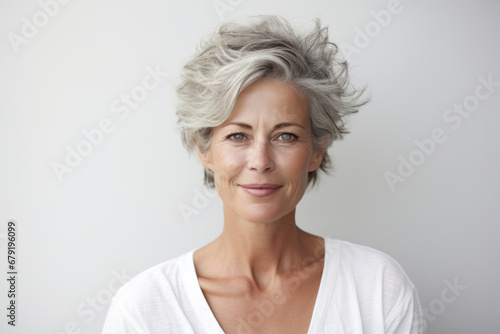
(119, 210)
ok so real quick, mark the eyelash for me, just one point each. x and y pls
(294, 136)
(229, 136)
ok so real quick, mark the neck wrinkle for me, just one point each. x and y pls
(260, 252)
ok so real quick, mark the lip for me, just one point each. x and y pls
(260, 189)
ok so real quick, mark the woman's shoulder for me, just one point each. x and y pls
(161, 278)
(368, 279)
(150, 299)
(368, 269)
(358, 257)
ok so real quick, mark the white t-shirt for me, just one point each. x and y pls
(362, 290)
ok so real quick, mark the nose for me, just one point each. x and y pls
(260, 159)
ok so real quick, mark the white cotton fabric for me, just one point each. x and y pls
(362, 290)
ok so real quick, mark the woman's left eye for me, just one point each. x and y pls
(287, 136)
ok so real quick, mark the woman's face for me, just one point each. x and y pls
(262, 154)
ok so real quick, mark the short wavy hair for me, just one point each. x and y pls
(238, 54)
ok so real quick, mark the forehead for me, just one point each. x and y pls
(268, 99)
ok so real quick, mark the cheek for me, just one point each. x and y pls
(301, 158)
(296, 163)
(228, 162)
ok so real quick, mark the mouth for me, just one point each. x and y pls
(260, 190)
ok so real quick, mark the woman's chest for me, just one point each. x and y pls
(287, 309)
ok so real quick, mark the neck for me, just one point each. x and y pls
(261, 251)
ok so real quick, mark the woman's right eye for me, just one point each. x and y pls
(236, 136)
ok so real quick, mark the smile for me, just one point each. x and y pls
(260, 190)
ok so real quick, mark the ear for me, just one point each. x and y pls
(316, 159)
(317, 156)
(205, 158)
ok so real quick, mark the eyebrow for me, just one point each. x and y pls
(277, 126)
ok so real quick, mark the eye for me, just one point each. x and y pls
(287, 136)
(236, 136)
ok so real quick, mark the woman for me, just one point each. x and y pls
(260, 104)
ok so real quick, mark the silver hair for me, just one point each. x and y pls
(238, 54)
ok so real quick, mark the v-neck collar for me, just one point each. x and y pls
(206, 317)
